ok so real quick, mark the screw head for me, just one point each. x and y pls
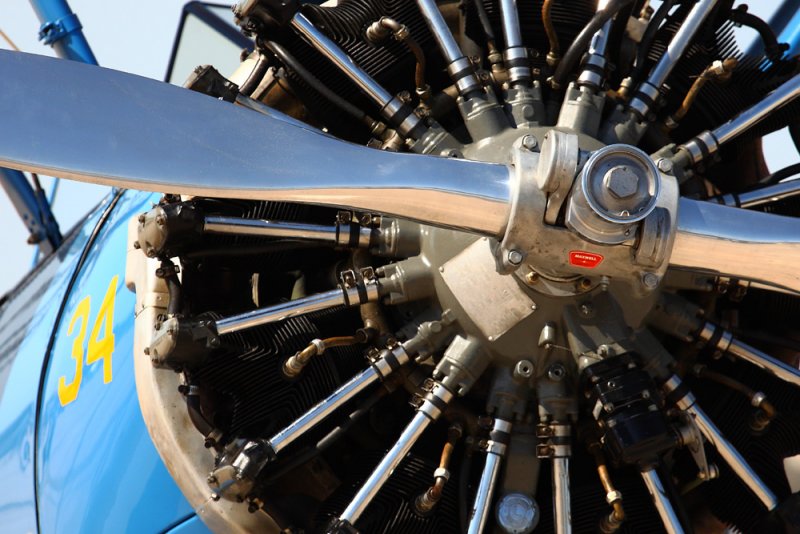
(515, 257)
(621, 181)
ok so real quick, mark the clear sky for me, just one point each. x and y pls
(137, 37)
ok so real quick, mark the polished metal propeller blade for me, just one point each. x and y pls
(739, 243)
(97, 125)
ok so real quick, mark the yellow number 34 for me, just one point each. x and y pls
(100, 346)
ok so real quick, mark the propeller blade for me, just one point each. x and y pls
(744, 244)
(97, 125)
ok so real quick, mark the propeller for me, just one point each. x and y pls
(97, 125)
(102, 126)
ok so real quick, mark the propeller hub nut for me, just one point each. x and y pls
(621, 181)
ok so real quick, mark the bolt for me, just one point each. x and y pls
(523, 369)
(529, 142)
(211, 479)
(515, 257)
(556, 372)
(650, 280)
(532, 277)
(621, 182)
(665, 165)
(585, 284)
(586, 309)
(609, 407)
(603, 351)
(215, 497)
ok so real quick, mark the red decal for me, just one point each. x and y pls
(589, 260)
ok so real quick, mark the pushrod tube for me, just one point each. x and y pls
(426, 414)
(495, 452)
(668, 516)
(391, 107)
(331, 50)
(593, 70)
(458, 65)
(648, 92)
(325, 408)
(515, 55)
(739, 349)
(707, 143)
(280, 312)
(688, 403)
(263, 228)
(561, 496)
(759, 197)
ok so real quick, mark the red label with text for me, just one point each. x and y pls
(580, 258)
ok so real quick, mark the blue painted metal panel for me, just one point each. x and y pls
(98, 471)
(27, 319)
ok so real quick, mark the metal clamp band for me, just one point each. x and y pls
(436, 401)
(53, 31)
(493, 447)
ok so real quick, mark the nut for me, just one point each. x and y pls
(665, 165)
(529, 142)
(621, 182)
(515, 257)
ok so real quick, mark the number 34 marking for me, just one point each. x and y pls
(99, 347)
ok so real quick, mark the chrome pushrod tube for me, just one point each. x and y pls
(495, 452)
(764, 361)
(389, 361)
(561, 496)
(331, 50)
(391, 107)
(594, 68)
(324, 408)
(428, 412)
(688, 403)
(708, 142)
(284, 310)
(744, 244)
(759, 197)
(727, 343)
(515, 54)
(459, 67)
(264, 228)
(648, 91)
(669, 518)
(122, 130)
